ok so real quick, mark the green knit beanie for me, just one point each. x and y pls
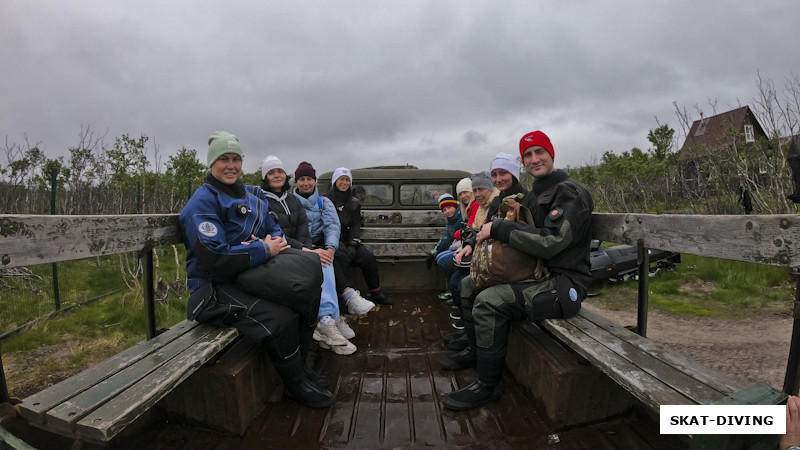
(222, 142)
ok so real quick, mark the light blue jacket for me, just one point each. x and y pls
(322, 218)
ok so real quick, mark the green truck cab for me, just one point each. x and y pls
(401, 187)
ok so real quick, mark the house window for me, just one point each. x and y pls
(749, 136)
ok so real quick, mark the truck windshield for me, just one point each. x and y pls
(423, 194)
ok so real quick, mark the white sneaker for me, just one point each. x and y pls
(329, 333)
(358, 304)
(346, 349)
(345, 329)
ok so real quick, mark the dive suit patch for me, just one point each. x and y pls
(207, 229)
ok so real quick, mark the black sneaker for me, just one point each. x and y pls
(476, 394)
(309, 394)
(455, 313)
(461, 360)
(458, 324)
(458, 344)
(379, 299)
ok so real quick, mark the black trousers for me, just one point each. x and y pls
(274, 326)
(360, 257)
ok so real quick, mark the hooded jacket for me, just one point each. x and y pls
(348, 208)
(291, 218)
(323, 223)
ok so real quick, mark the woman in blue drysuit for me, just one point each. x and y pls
(227, 230)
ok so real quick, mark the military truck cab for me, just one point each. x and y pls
(400, 187)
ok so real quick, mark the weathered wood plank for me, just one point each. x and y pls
(401, 234)
(431, 217)
(649, 390)
(62, 418)
(716, 380)
(105, 422)
(400, 250)
(680, 380)
(763, 239)
(29, 239)
(35, 407)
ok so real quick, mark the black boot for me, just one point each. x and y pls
(461, 360)
(490, 363)
(380, 299)
(466, 357)
(297, 385)
(453, 335)
(306, 338)
(458, 344)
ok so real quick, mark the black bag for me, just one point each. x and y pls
(291, 278)
(204, 308)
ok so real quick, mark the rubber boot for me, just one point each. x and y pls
(465, 358)
(306, 338)
(490, 364)
(297, 386)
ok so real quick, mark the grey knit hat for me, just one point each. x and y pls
(482, 180)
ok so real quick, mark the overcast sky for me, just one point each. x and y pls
(361, 83)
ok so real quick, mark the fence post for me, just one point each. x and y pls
(149, 292)
(643, 259)
(4, 397)
(53, 188)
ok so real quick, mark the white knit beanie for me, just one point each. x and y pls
(464, 185)
(506, 162)
(269, 163)
(340, 172)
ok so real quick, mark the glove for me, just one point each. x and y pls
(431, 259)
(355, 242)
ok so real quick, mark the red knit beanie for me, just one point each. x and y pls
(535, 138)
(305, 169)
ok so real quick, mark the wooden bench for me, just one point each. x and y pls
(648, 370)
(98, 403)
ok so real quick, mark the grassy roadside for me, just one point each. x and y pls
(706, 287)
(69, 342)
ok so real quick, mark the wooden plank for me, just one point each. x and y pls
(763, 239)
(30, 239)
(677, 379)
(62, 418)
(432, 234)
(34, 407)
(398, 250)
(103, 423)
(649, 390)
(716, 380)
(428, 217)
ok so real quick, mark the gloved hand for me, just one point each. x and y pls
(355, 242)
(431, 259)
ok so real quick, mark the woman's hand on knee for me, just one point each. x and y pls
(275, 244)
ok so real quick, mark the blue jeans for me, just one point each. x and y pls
(329, 302)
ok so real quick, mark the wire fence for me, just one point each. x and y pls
(30, 294)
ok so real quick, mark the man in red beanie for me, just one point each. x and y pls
(562, 215)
